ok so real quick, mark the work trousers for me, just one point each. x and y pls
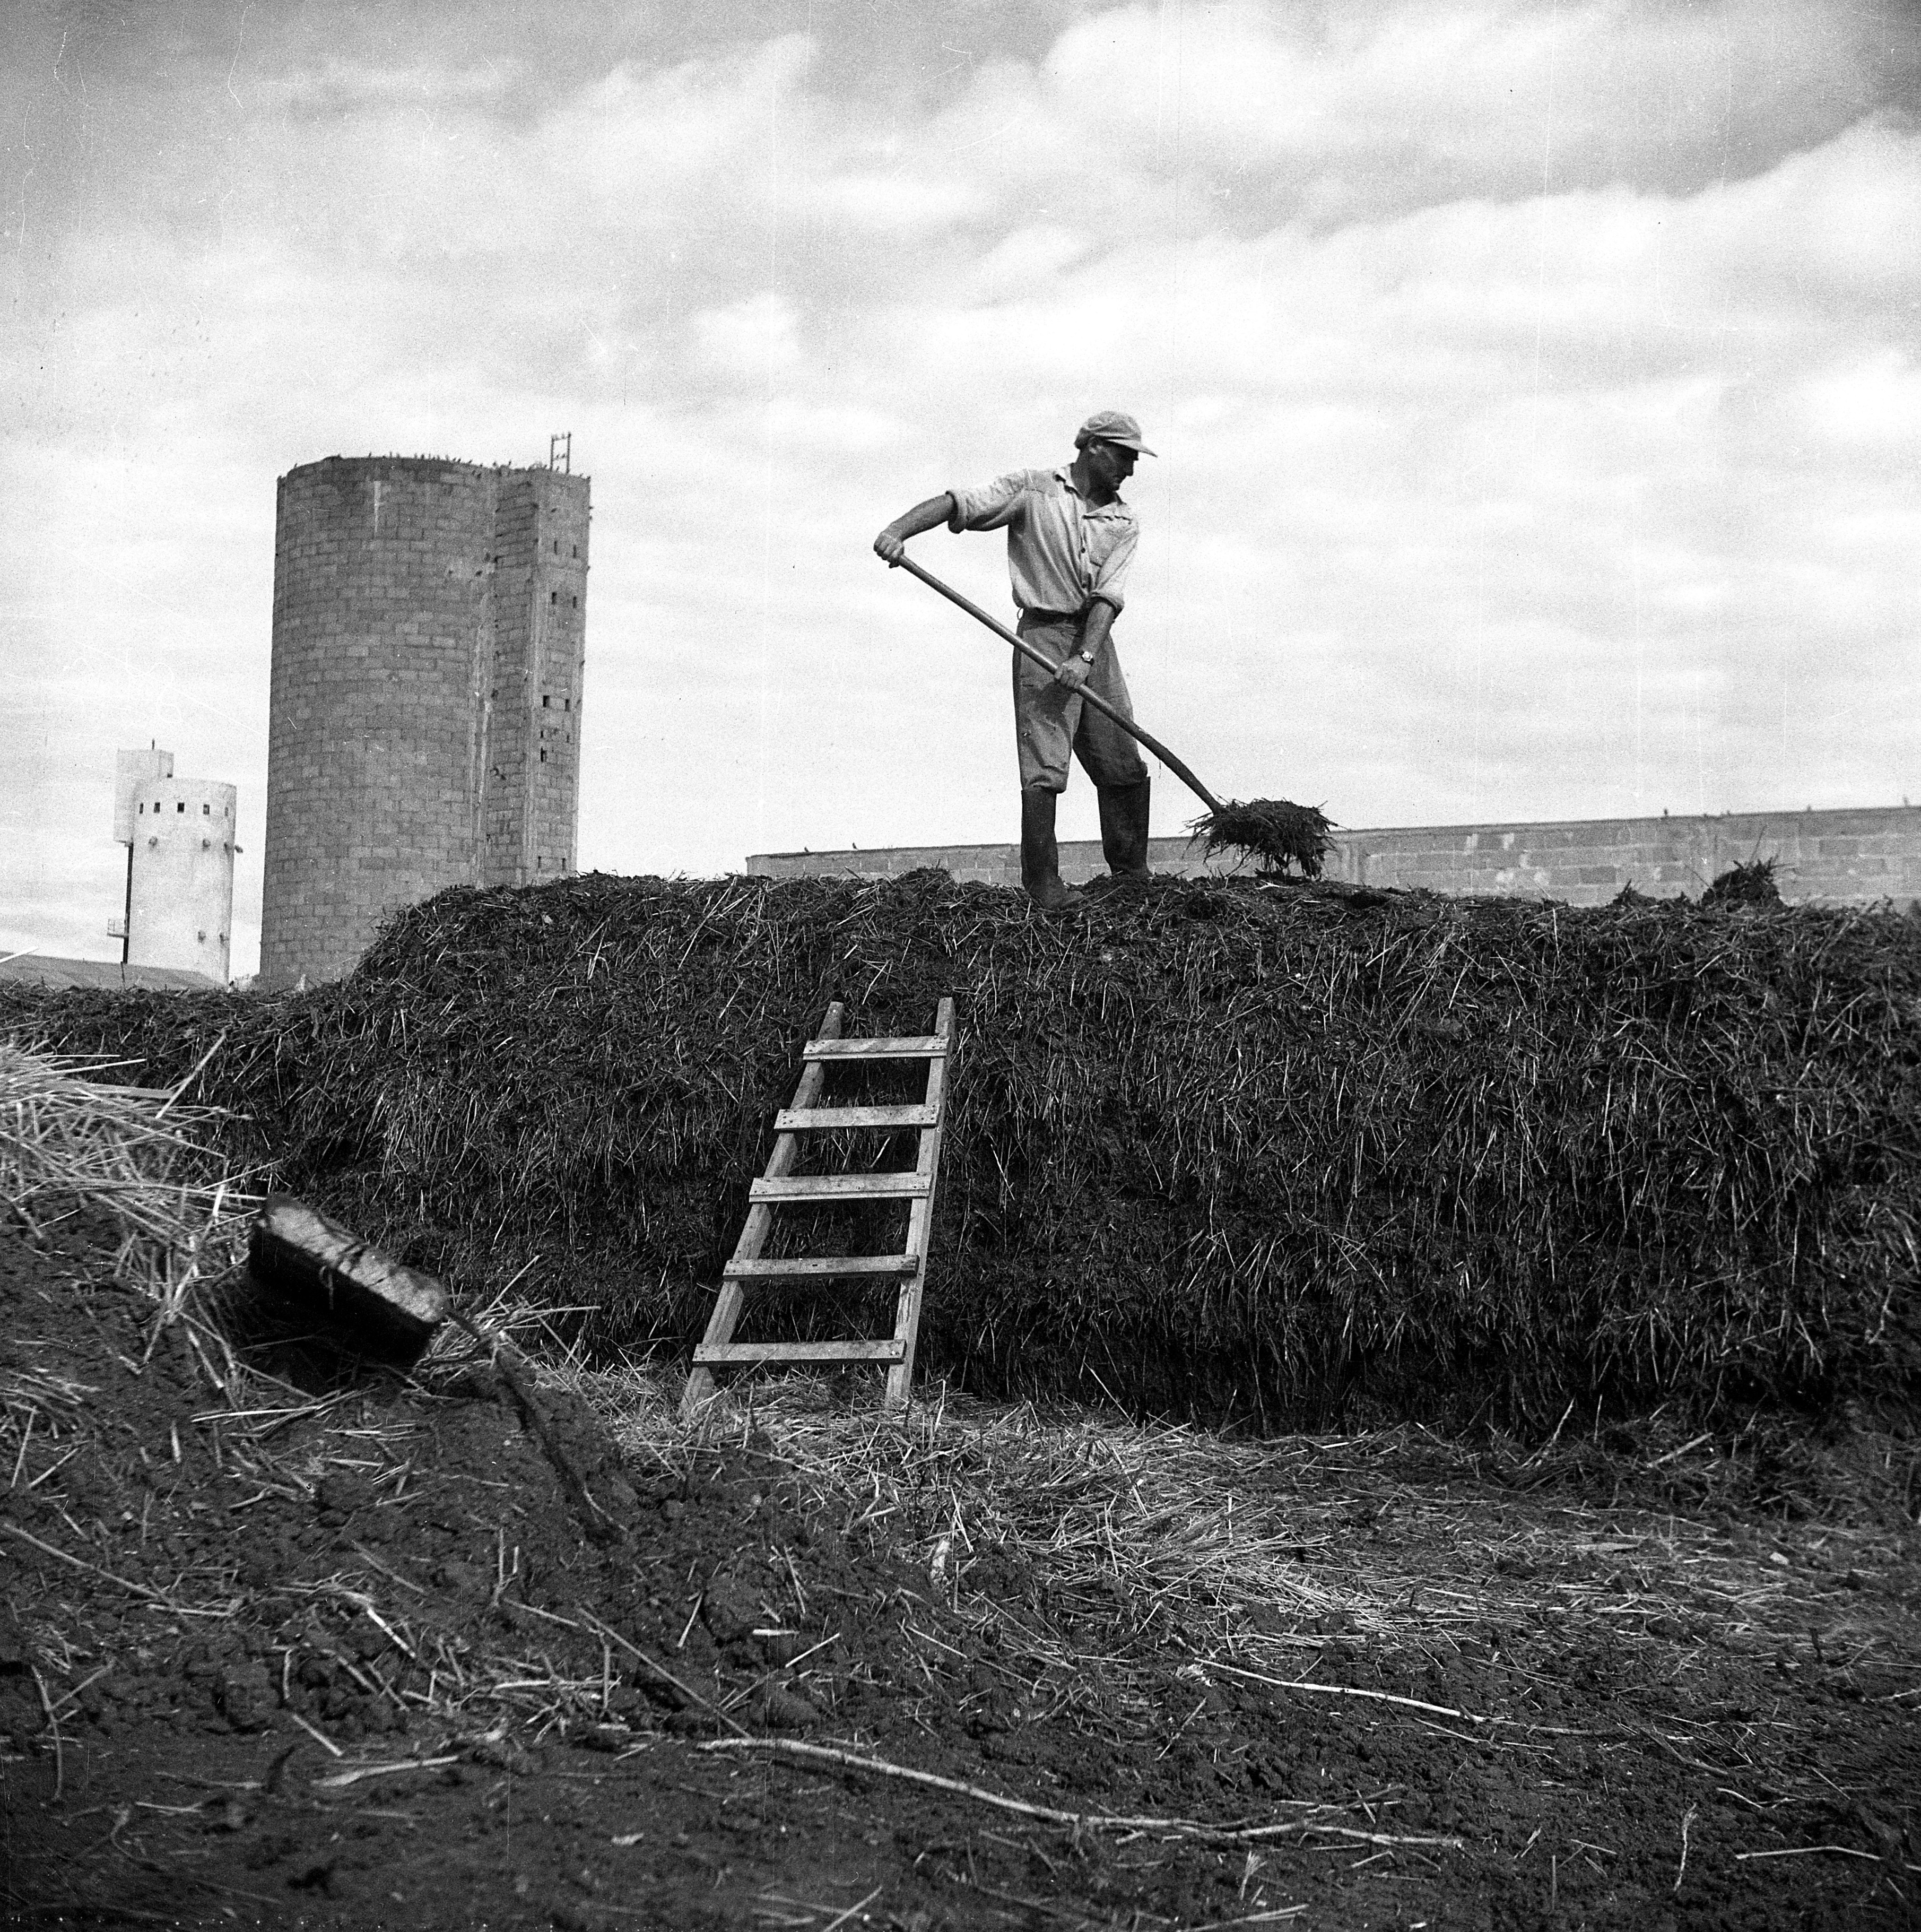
(1051, 722)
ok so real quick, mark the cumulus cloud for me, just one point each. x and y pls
(1535, 384)
(1355, 109)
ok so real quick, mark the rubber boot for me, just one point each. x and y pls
(1124, 829)
(1040, 855)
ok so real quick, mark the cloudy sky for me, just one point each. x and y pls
(1538, 387)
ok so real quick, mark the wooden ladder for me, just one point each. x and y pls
(780, 1184)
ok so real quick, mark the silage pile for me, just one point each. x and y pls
(1221, 1149)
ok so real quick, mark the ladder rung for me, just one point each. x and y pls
(804, 1120)
(918, 1046)
(822, 1268)
(840, 1187)
(726, 1354)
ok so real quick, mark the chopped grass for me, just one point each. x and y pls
(1273, 829)
(1225, 1152)
(1752, 883)
(72, 1143)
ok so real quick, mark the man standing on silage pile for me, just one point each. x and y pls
(1070, 540)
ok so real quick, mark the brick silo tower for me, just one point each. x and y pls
(429, 622)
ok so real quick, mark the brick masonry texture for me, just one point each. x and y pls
(424, 726)
(1824, 858)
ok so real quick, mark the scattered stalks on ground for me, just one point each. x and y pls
(1083, 1541)
(70, 1142)
(1082, 1537)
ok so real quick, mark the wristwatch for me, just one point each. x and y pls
(1086, 657)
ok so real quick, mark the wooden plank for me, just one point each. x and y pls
(814, 1120)
(823, 1268)
(840, 1187)
(754, 1234)
(920, 1220)
(786, 1149)
(741, 1354)
(760, 1222)
(727, 1305)
(916, 1047)
(387, 1311)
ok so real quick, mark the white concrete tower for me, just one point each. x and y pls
(133, 776)
(180, 873)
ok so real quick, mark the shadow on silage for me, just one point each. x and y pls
(1225, 1150)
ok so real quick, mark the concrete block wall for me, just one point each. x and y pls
(1080, 860)
(400, 748)
(1859, 857)
(540, 599)
(1855, 857)
(557, 689)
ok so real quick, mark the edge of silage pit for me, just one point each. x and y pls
(1221, 1149)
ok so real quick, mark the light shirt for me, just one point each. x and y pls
(1063, 553)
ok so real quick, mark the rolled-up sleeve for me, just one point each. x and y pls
(1109, 582)
(991, 506)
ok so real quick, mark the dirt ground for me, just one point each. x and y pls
(358, 1659)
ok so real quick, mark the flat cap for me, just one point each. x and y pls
(1111, 426)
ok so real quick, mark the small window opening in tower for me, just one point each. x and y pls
(206, 812)
(143, 807)
(577, 603)
(181, 806)
(543, 757)
(545, 700)
(567, 704)
(576, 549)
(553, 597)
(556, 546)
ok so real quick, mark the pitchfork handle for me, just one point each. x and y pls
(1047, 664)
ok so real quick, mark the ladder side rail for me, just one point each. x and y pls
(759, 1224)
(920, 1219)
(807, 1093)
